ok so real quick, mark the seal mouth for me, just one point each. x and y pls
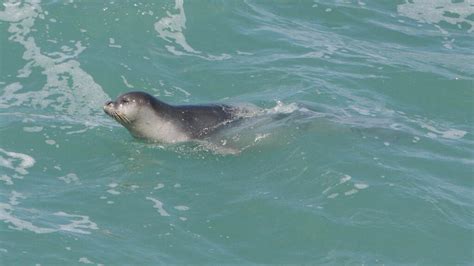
(120, 117)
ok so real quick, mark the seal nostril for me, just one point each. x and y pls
(108, 103)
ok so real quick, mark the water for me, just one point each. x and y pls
(363, 153)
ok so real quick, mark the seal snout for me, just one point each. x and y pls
(107, 106)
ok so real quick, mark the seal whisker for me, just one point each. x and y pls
(124, 118)
(118, 117)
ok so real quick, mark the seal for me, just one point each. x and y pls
(148, 118)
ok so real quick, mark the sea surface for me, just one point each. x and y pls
(358, 148)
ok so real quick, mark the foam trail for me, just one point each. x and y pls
(16, 223)
(171, 29)
(76, 224)
(159, 205)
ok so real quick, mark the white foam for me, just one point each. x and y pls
(282, 108)
(18, 224)
(113, 192)
(69, 178)
(261, 136)
(79, 223)
(350, 192)
(159, 206)
(14, 198)
(333, 195)
(181, 208)
(125, 81)
(25, 71)
(434, 11)
(33, 129)
(16, 161)
(8, 180)
(361, 186)
(112, 43)
(77, 131)
(453, 134)
(50, 141)
(126, 66)
(437, 11)
(186, 93)
(159, 186)
(448, 134)
(75, 91)
(360, 110)
(170, 29)
(243, 53)
(85, 260)
(15, 12)
(344, 179)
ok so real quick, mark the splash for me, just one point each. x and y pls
(68, 89)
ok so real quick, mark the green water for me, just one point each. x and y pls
(362, 152)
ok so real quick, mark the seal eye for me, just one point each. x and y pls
(124, 100)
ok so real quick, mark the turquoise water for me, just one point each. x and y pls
(361, 151)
